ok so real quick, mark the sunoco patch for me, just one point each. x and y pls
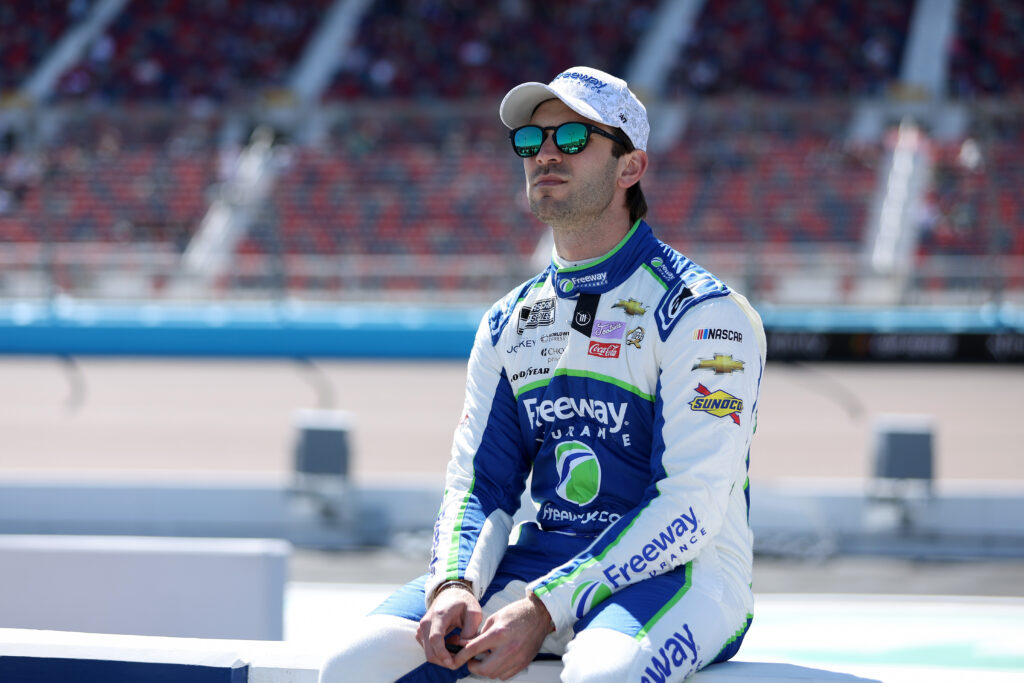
(718, 403)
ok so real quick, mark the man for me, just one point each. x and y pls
(625, 379)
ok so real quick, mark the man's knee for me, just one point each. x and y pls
(382, 648)
(599, 655)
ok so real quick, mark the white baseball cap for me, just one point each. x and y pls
(588, 92)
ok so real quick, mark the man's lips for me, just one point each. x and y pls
(547, 180)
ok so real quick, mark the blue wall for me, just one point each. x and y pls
(290, 330)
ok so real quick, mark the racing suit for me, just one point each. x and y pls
(627, 388)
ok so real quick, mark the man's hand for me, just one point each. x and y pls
(450, 609)
(509, 640)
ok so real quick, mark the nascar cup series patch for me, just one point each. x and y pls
(718, 403)
(579, 472)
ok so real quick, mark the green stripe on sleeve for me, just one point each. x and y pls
(452, 570)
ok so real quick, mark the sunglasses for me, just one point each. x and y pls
(570, 138)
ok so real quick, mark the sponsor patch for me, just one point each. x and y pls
(608, 329)
(524, 344)
(677, 654)
(635, 336)
(718, 334)
(672, 305)
(588, 595)
(630, 306)
(607, 415)
(718, 403)
(579, 472)
(583, 315)
(664, 272)
(569, 282)
(604, 349)
(541, 313)
(529, 372)
(553, 353)
(721, 364)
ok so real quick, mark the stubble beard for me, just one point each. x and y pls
(580, 208)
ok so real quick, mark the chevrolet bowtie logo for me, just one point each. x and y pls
(721, 365)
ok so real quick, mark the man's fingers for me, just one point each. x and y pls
(471, 623)
(472, 648)
(495, 667)
(430, 635)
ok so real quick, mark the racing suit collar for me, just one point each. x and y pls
(607, 272)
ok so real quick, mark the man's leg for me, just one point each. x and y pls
(662, 629)
(386, 649)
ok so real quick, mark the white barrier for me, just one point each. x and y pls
(59, 656)
(88, 657)
(187, 587)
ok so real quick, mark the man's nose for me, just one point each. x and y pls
(549, 151)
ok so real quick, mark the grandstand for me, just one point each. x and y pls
(129, 168)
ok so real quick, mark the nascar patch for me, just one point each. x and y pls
(717, 333)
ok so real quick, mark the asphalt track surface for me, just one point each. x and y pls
(203, 420)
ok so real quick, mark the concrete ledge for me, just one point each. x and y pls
(263, 661)
(61, 656)
(191, 587)
(728, 672)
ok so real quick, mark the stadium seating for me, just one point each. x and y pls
(793, 48)
(985, 57)
(414, 163)
(483, 49)
(189, 50)
(29, 31)
(975, 206)
(126, 179)
(741, 177)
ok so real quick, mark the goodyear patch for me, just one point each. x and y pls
(718, 403)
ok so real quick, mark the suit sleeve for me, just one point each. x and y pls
(486, 475)
(705, 410)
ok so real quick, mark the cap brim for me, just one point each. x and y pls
(520, 102)
(518, 105)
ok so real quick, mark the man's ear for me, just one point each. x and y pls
(633, 169)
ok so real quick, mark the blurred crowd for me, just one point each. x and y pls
(794, 47)
(413, 179)
(189, 51)
(461, 48)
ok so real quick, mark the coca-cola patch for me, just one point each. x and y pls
(604, 349)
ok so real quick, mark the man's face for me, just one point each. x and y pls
(569, 189)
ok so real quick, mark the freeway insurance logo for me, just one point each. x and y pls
(579, 472)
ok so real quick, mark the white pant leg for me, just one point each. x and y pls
(687, 637)
(383, 649)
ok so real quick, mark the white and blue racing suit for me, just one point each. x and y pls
(628, 388)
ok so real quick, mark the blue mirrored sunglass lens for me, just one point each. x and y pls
(571, 138)
(527, 141)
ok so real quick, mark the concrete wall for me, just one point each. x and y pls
(187, 587)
